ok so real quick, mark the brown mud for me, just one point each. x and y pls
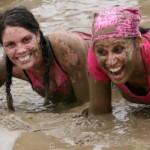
(31, 127)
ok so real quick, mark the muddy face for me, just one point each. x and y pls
(22, 47)
(116, 56)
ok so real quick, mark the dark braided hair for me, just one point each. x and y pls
(9, 98)
(21, 17)
(48, 58)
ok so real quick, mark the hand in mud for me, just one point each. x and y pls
(85, 112)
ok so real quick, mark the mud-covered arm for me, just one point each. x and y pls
(100, 97)
(71, 52)
(2, 69)
(78, 70)
(79, 80)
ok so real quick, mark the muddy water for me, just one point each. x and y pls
(30, 127)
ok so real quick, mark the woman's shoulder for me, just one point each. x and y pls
(64, 41)
(67, 47)
(67, 40)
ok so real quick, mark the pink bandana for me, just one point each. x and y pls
(115, 22)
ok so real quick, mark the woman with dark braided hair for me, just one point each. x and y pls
(55, 65)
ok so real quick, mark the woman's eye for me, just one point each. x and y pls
(10, 45)
(27, 39)
(118, 49)
(102, 52)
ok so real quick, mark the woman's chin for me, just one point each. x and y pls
(118, 79)
(25, 66)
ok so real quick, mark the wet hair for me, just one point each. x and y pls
(21, 17)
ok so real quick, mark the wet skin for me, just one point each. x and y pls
(121, 60)
(70, 50)
(115, 56)
(22, 49)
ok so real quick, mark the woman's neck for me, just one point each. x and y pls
(39, 70)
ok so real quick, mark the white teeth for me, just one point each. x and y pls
(24, 58)
(115, 69)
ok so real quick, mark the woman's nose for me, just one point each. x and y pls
(111, 60)
(20, 48)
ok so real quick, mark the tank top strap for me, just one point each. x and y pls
(27, 76)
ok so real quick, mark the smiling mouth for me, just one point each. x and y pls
(116, 71)
(24, 58)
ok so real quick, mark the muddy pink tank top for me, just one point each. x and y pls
(59, 80)
(100, 75)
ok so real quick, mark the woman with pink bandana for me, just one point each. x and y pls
(119, 53)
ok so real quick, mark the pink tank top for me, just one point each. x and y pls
(57, 84)
(100, 75)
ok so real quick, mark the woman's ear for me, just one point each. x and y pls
(139, 43)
